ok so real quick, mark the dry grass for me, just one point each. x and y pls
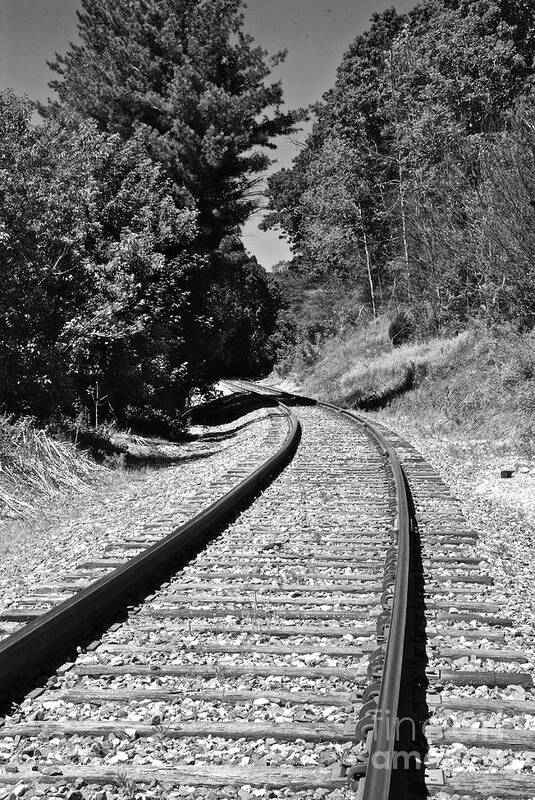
(480, 383)
(364, 370)
(36, 469)
(486, 389)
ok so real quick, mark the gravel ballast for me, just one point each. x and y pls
(293, 533)
(147, 504)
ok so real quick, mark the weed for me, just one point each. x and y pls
(127, 786)
(161, 731)
(256, 620)
(36, 468)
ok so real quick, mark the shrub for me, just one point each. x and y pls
(400, 329)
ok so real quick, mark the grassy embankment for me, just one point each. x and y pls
(476, 389)
(38, 471)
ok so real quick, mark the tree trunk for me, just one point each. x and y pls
(368, 263)
(404, 231)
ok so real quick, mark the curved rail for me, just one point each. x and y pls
(60, 630)
(381, 755)
(382, 747)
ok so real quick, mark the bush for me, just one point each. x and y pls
(400, 329)
(100, 290)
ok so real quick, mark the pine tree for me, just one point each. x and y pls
(187, 71)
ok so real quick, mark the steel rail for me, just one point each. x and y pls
(60, 630)
(382, 749)
(382, 752)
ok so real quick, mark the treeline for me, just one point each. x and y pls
(125, 285)
(415, 191)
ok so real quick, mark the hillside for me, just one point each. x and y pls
(478, 384)
(414, 198)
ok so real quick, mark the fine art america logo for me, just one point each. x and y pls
(400, 730)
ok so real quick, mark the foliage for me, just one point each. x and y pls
(187, 71)
(400, 329)
(310, 316)
(478, 382)
(98, 300)
(243, 313)
(126, 288)
(416, 184)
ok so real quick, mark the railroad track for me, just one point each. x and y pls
(281, 649)
(472, 697)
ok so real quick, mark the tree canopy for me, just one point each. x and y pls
(126, 282)
(391, 193)
(89, 295)
(187, 71)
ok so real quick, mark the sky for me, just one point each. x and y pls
(316, 34)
